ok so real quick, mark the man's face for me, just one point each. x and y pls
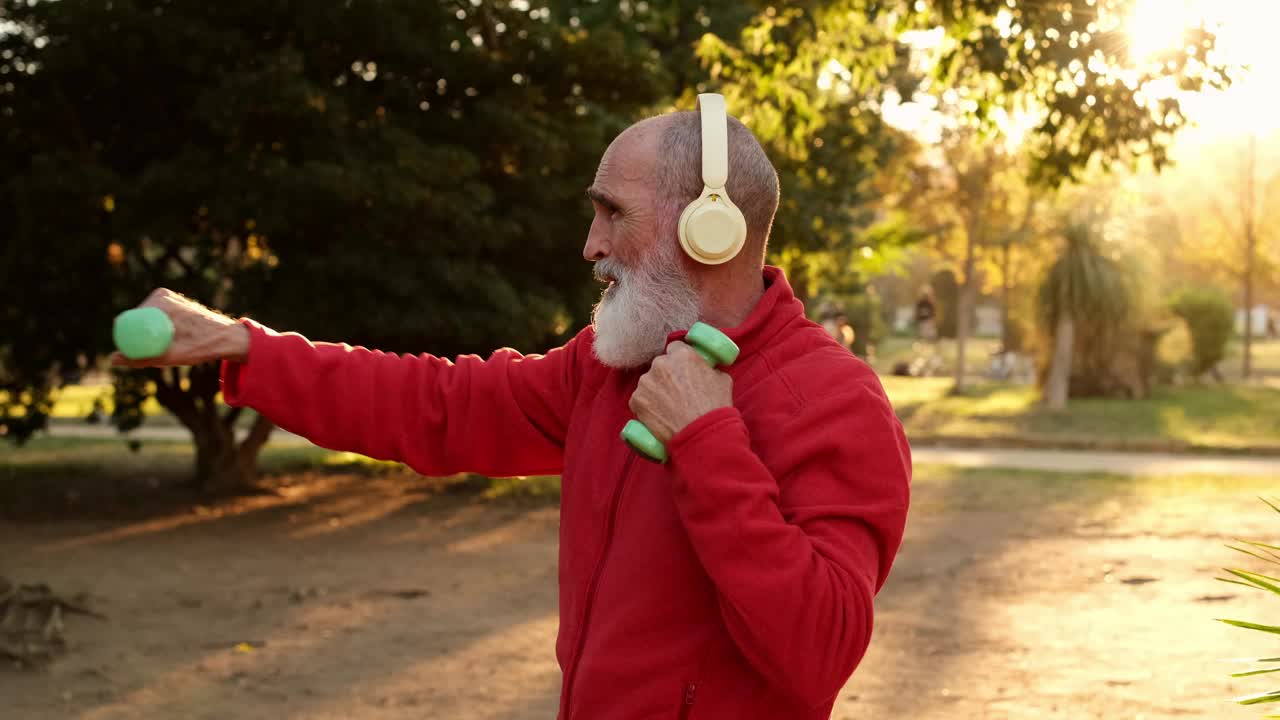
(633, 244)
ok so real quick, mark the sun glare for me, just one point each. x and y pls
(1246, 37)
(1245, 40)
(1158, 25)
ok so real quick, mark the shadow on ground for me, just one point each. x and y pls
(333, 595)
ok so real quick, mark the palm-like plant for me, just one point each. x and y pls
(1269, 554)
(1086, 300)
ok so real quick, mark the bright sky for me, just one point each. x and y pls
(1246, 35)
(1246, 32)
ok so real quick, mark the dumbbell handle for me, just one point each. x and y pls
(718, 350)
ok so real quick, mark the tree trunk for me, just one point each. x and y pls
(1247, 368)
(964, 306)
(1059, 382)
(1005, 290)
(1250, 251)
(222, 465)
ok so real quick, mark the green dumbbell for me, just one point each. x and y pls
(142, 333)
(718, 350)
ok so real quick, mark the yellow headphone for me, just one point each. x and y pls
(712, 229)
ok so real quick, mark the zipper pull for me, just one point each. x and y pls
(687, 707)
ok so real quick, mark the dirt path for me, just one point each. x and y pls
(1019, 597)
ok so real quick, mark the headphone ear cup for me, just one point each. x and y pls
(712, 230)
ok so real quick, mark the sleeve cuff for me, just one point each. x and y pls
(237, 375)
(708, 423)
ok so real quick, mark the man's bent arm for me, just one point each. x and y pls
(797, 567)
(503, 416)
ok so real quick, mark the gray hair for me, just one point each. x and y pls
(753, 181)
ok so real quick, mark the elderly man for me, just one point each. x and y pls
(735, 580)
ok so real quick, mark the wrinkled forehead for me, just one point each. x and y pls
(632, 157)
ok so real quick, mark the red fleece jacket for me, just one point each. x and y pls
(734, 582)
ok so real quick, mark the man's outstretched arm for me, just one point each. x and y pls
(503, 416)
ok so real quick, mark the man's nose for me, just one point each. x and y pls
(597, 247)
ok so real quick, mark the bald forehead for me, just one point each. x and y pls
(633, 155)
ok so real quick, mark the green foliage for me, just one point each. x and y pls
(1173, 354)
(1257, 581)
(401, 174)
(1208, 314)
(810, 102)
(1086, 283)
(23, 411)
(129, 391)
(1068, 61)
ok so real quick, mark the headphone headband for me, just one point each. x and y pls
(715, 140)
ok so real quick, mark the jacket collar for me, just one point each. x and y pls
(776, 308)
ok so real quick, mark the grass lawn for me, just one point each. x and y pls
(1210, 417)
(1206, 417)
(76, 401)
(894, 349)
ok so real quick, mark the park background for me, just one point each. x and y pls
(1088, 187)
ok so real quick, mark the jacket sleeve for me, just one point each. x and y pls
(797, 559)
(504, 416)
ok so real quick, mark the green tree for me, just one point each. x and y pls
(978, 201)
(1067, 65)
(399, 174)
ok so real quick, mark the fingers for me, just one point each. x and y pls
(122, 361)
(162, 294)
(118, 360)
(679, 349)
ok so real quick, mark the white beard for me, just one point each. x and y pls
(638, 311)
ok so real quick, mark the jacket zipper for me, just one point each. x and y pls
(686, 707)
(595, 578)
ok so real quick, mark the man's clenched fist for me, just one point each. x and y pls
(200, 335)
(679, 388)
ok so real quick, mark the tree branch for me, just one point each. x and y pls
(257, 437)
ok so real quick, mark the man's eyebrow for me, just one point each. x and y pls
(601, 197)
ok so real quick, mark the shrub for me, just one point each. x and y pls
(1208, 315)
